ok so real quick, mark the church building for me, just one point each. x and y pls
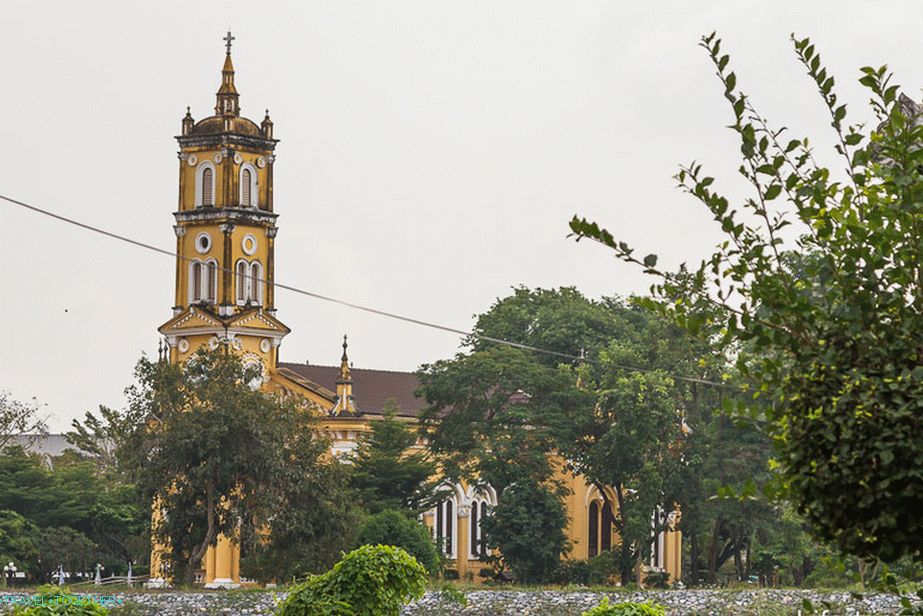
(226, 227)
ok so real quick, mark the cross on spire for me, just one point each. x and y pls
(228, 40)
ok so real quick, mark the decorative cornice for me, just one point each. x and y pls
(220, 139)
(179, 230)
(226, 214)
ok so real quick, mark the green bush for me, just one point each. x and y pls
(626, 609)
(657, 579)
(373, 580)
(595, 571)
(391, 527)
(59, 601)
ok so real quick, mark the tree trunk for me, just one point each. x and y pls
(738, 562)
(713, 552)
(694, 557)
(198, 551)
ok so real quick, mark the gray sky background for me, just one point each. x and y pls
(432, 154)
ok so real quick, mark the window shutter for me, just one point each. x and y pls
(208, 186)
(212, 291)
(256, 286)
(196, 281)
(245, 180)
(241, 282)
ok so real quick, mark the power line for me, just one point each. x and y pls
(333, 300)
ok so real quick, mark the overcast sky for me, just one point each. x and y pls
(432, 154)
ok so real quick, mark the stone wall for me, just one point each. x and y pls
(528, 603)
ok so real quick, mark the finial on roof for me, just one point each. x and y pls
(227, 94)
(345, 403)
(344, 361)
(228, 40)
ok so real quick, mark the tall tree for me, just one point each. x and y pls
(211, 452)
(497, 412)
(390, 470)
(832, 319)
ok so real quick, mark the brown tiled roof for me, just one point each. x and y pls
(370, 387)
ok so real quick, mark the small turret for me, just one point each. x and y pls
(188, 122)
(267, 126)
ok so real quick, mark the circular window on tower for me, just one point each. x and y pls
(249, 244)
(203, 242)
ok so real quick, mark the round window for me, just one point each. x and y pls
(249, 244)
(203, 242)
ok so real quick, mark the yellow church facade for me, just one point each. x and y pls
(224, 295)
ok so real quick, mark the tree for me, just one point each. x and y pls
(391, 527)
(390, 471)
(527, 525)
(69, 497)
(315, 522)
(20, 541)
(215, 455)
(832, 319)
(18, 419)
(100, 436)
(497, 412)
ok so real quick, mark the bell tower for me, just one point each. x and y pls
(225, 233)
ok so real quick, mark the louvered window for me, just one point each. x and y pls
(242, 282)
(256, 284)
(212, 291)
(208, 187)
(245, 185)
(196, 282)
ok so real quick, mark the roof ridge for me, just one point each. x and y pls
(288, 363)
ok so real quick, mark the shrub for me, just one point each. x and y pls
(595, 571)
(626, 609)
(373, 580)
(391, 527)
(59, 601)
(657, 579)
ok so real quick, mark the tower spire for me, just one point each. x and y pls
(344, 362)
(345, 403)
(227, 97)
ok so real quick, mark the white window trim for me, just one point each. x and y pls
(254, 186)
(198, 182)
(241, 300)
(203, 282)
(256, 282)
(210, 295)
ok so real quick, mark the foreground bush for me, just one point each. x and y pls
(392, 527)
(626, 609)
(373, 580)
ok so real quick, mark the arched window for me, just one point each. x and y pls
(475, 530)
(196, 282)
(593, 530)
(208, 187)
(256, 283)
(444, 527)
(475, 533)
(245, 180)
(249, 194)
(606, 542)
(211, 290)
(243, 284)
